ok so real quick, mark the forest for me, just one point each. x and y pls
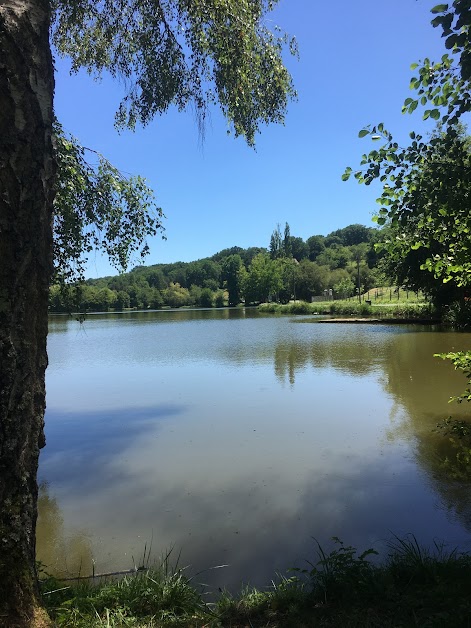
(340, 265)
(289, 268)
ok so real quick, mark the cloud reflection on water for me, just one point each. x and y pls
(216, 456)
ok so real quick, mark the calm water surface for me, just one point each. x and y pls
(236, 438)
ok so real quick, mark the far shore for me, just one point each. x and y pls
(383, 321)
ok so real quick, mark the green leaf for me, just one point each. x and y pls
(363, 133)
(451, 41)
(439, 8)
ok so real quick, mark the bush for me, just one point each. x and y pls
(458, 314)
(206, 298)
(219, 300)
(350, 308)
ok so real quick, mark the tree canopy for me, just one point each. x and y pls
(96, 207)
(231, 275)
(426, 185)
(181, 52)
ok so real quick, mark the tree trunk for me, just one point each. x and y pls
(26, 171)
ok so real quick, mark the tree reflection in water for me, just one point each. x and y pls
(58, 554)
(420, 385)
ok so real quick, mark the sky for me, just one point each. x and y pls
(353, 70)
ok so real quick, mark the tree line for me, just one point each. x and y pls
(289, 268)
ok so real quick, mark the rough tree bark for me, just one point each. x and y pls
(26, 171)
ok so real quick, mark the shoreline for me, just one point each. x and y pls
(384, 321)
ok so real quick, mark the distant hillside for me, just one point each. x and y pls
(289, 267)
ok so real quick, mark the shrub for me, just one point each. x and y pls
(458, 314)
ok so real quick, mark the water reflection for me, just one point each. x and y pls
(63, 322)
(422, 385)
(358, 353)
(184, 431)
(61, 554)
(80, 444)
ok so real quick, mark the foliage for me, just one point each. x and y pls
(354, 234)
(458, 314)
(344, 288)
(206, 298)
(219, 299)
(457, 462)
(427, 187)
(311, 279)
(461, 360)
(233, 275)
(423, 311)
(176, 296)
(96, 207)
(350, 308)
(167, 53)
(407, 271)
(299, 248)
(336, 573)
(401, 311)
(316, 244)
(458, 432)
(427, 184)
(264, 278)
(161, 596)
(146, 287)
(414, 586)
(334, 256)
(446, 84)
(286, 245)
(277, 243)
(287, 252)
(182, 53)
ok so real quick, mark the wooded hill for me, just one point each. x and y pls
(290, 267)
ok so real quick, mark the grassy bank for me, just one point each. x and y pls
(411, 587)
(400, 310)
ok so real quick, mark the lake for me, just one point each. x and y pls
(238, 439)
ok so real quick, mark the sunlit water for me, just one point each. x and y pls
(236, 438)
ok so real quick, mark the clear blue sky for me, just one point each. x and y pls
(354, 69)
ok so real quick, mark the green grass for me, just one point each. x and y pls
(389, 294)
(413, 586)
(399, 310)
(161, 596)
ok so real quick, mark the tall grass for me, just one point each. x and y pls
(401, 310)
(413, 586)
(391, 294)
(159, 596)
